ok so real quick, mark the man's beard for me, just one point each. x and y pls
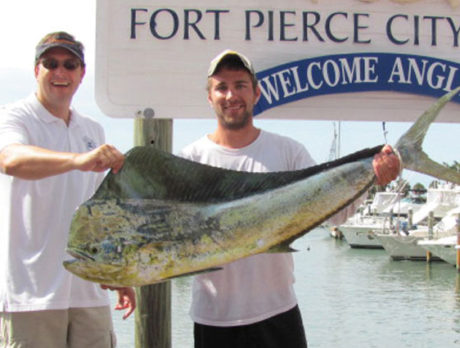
(235, 124)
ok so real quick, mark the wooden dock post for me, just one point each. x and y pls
(430, 233)
(153, 312)
(458, 243)
(410, 219)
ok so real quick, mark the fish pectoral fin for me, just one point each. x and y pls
(164, 244)
(213, 269)
(282, 248)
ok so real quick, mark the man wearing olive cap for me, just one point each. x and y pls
(251, 302)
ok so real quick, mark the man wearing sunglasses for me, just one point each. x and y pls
(52, 158)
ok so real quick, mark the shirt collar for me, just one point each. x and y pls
(47, 117)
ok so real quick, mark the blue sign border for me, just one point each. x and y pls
(356, 72)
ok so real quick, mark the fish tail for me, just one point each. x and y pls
(409, 146)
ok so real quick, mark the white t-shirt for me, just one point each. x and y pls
(257, 287)
(35, 215)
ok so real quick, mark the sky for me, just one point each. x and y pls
(23, 23)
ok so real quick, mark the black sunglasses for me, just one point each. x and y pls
(53, 64)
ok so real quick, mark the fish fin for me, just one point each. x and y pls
(150, 173)
(409, 146)
(213, 269)
(427, 166)
(282, 248)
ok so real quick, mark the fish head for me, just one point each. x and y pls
(102, 244)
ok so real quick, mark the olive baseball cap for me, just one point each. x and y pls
(227, 55)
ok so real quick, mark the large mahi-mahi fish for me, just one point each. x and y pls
(163, 216)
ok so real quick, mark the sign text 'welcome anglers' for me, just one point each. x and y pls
(356, 73)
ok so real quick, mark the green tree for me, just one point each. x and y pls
(418, 188)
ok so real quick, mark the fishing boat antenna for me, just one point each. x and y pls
(385, 132)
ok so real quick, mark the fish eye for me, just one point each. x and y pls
(94, 250)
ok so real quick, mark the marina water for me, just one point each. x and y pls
(350, 298)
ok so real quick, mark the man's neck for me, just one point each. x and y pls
(235, 138)
(60, 110)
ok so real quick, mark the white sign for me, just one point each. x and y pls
(361, 60)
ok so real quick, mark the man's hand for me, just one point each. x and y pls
(100, 159)
(33, 163)
(387, 165)
(126, 299)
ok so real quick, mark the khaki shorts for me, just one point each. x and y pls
(70, 328)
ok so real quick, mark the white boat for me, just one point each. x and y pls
(360, 233)
(444, 248)
(403, 245)
(404, 205)
(378, 217)
(439, 200)
(383, 202)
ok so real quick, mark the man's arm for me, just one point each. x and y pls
(32, 162)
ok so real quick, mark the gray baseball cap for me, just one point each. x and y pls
(60, 39)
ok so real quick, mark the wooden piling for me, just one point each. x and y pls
(458, 243)
(430, 233)
(410, 219)
(153, 311)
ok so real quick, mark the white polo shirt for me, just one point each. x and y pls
(35, 215)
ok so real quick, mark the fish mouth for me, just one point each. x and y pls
(86, 267)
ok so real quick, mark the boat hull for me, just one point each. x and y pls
(361, 236)
(444, 248)
(403, 247)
